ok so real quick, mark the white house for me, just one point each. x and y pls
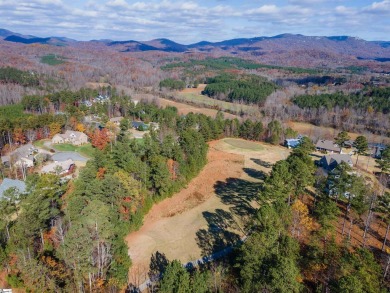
(73, 137)
(21, 157)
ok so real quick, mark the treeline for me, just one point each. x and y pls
(57, 101)
(248, 88)
(224, 63)
(292, 245)
(172, 84)
(377, 99)
(13, 75)
(75, 242)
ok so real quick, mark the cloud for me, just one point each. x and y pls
(192, 21)
(382, 7)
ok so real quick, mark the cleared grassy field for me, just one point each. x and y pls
(205, 101)
(85, 150)
(40, 143)
(243, 144)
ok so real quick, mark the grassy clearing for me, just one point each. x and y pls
(85, 150)
(243, 144)
(52, 59)
(205, 101)
(40, 143)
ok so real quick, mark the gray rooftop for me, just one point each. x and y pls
(338, 158)
(9, 183)
(328, 145)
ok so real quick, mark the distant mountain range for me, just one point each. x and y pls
(284, 43)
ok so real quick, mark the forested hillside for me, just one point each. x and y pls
(376, 99)
(251, 89)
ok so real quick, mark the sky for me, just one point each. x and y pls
(193, 21)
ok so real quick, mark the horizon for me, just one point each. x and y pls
(187, 44)
(188, 22)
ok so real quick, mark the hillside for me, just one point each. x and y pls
(298, 49)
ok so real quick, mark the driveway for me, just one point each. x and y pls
(63, 156)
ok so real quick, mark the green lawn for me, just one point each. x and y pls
(40, 144)
(243, 144)
(85, 150)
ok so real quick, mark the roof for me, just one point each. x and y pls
(24, 151)
(137, 124)
(293, 142)
(116, 119)
(72, 134)
(377, 145)
(9, 183)
(328, 145)
(53, 167)
(338, 158)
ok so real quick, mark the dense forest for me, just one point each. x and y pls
(172, 84)
(68, 242)
(376, 99)
(13, 75)
(225, 63)
(251, 89)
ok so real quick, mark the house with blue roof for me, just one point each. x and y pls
(11, 183)
(292, 143)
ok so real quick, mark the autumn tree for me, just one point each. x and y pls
(301, 221)
(54, 128)
(100, 138)
(18, 136)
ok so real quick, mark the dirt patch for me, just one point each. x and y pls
(183, 109)
(197, 90)
(97, 85)
(330, 133)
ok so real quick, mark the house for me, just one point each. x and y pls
(21, 157)
(87, 103)
(328, 146)
(73, 137)
(10, 183)
(59, 168)
(292, 143)
(139, 125)
(349, 143)
(102, 99)
(376, 149)
(329, 162)
(116, 120)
